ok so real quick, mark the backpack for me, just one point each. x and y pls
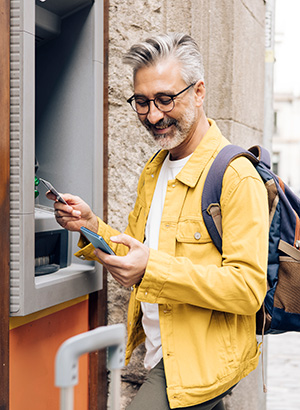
(280, 311)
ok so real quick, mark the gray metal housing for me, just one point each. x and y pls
(56, 117)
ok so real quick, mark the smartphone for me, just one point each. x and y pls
(53, 190)
(97, 240)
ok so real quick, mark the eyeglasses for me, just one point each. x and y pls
(163, 102)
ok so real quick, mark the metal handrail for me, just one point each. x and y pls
(66, 361)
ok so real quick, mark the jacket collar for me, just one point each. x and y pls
(191, 172)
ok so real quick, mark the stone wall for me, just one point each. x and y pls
(231, 37)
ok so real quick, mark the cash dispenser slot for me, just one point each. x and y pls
(50, 251)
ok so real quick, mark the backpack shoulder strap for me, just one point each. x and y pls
(211, 194)
(262, 155)
(155, 155)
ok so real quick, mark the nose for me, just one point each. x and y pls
(154, 114)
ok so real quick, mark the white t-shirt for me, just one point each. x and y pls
(150, 319)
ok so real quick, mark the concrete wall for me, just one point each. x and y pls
(231, 36)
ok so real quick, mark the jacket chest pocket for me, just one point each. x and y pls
(137, 221)
(190, 235)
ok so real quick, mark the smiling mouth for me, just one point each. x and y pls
(161, 128)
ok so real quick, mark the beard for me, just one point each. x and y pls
(179, 132)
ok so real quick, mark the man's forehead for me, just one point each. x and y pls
(164, 76)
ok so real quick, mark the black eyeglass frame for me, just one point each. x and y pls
(132, 98)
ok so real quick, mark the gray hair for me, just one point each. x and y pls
(180, 46)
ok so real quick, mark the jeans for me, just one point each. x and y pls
(152, 394)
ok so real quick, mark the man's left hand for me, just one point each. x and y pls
(127, 270)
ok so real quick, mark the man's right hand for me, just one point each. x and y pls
(74, 215)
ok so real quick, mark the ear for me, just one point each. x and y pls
(199, 89)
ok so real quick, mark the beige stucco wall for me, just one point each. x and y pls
(231, 37)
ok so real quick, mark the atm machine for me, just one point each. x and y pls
(56, 134)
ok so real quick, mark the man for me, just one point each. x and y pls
(194, 308)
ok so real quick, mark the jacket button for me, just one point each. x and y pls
(197, 235)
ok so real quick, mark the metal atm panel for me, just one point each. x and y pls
(56, 118)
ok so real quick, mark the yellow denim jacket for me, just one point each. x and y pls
(207, 301)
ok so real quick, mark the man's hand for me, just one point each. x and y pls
(127, 270)
(74, 215)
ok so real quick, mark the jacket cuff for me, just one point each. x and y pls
(87, 249)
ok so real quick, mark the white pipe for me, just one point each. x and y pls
(269, 75)
(67, 398)
(114, 389)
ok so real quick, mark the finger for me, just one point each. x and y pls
(50, 196)
(71, 199)
(116, 265)
(65, 210)
(113, 263)
(104, 257)
(61, 214)
(74, 214)
(123, 239)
